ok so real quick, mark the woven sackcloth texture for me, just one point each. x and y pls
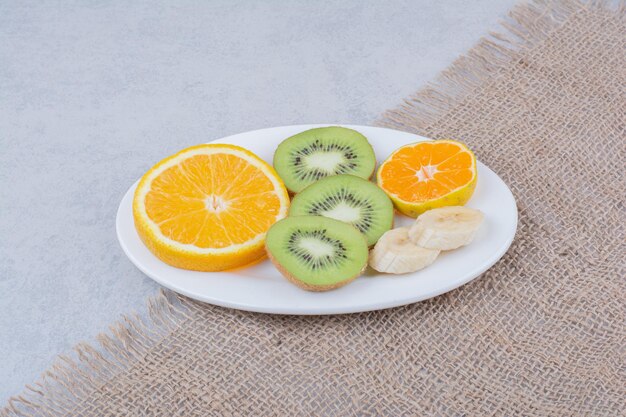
(541, 333)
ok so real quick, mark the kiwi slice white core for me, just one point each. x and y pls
(316, 249)
(329, 162)
(344, 212)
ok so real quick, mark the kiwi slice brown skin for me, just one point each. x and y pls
(308, 287)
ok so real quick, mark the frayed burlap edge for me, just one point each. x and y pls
(527, 26)
(63, 387)
(72, 378)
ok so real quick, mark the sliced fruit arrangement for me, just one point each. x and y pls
(214, 207)
(405, 250)
(349, 199)
(427, 175)
(302, 159)
(208, 207)
(317, 253)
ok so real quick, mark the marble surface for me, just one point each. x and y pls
(93, 93)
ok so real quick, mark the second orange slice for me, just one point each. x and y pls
(427, 175)
(209, 207)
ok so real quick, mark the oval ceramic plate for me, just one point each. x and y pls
(261, 287)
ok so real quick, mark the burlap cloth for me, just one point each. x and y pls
(541, 333)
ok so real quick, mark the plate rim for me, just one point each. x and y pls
(322, 310)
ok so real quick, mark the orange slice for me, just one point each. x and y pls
(427, 175)
(208, 207)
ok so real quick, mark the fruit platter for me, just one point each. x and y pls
(317, 219)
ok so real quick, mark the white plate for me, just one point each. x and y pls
(261, 288)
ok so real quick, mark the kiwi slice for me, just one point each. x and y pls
(316, 253)
(349, 199)
(302, 159)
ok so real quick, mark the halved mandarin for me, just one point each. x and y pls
(427, 175)
(208, 207)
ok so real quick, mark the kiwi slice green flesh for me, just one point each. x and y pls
(349, 199)
(314, 154)
(316, 253)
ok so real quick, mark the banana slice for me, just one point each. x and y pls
(446, 228)
(396, 254)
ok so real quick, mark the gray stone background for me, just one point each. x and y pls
(93, 93)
